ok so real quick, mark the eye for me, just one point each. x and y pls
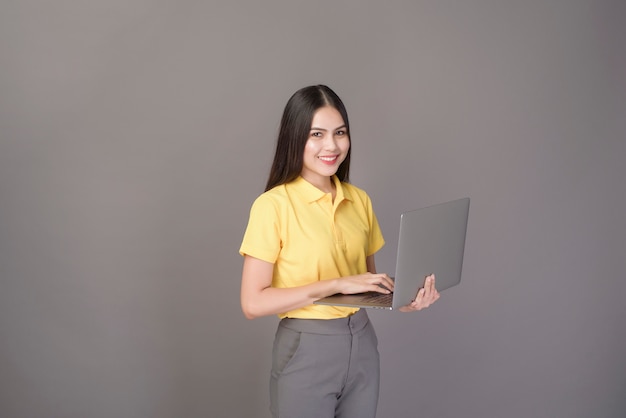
(340, 132)
(316, 134)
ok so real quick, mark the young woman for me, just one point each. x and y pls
(310, 235)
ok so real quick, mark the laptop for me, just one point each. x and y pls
(432, 240)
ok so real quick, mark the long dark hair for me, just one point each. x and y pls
(295, 127)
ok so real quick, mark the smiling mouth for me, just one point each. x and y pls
(328, 159)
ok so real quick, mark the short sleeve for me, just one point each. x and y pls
(376, 240)
(262, 236)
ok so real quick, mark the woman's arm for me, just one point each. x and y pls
(259, 298)
(371, 264)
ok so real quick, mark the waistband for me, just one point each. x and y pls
(347, 325)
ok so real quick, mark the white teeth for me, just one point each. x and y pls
(328, 158)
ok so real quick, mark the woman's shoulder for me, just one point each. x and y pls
(272, 197)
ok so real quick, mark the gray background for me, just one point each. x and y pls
(135, 135)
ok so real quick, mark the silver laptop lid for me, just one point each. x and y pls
(432, 240)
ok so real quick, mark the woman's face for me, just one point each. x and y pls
(326, 147)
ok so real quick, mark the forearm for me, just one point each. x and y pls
(259, 298)
(273, 300)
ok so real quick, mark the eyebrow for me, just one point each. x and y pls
(313, 128)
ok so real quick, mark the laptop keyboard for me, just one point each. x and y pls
(376, 297)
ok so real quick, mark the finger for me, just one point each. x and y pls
(381, 289)
(425, 298)
(385, 281)
(433, 297)
(389, 284)
(427, 287)
(430, 285)
(430, 281)
(418, 304)
(381, 286)
(429, 295)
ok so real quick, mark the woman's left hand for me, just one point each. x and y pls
(425, 297)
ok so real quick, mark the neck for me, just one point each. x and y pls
(325, 184)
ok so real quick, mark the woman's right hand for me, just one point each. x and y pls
(366, 282)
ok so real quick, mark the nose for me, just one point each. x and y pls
(330, 142)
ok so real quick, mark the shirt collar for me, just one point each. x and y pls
(312, 193)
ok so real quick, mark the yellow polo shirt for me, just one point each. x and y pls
(308, 238)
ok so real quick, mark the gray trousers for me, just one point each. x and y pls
(325, 368)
